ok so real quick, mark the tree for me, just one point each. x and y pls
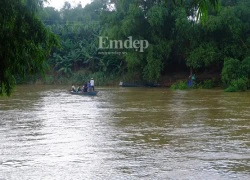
(49, 15)
(24, 42)
(202, 7)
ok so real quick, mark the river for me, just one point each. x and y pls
(124, 133)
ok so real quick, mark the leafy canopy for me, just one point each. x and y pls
(24, 42)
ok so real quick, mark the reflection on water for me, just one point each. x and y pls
(124, 133)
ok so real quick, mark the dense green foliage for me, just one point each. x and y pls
(178, 41)
(181, 85)
(78, 29)
(236, 74)
(198, 36)
(25, 43)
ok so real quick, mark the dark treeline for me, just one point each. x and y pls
(178, 41)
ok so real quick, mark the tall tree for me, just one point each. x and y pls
(24, 42)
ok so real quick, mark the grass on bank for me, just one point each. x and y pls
(183, 85)
(238, 85)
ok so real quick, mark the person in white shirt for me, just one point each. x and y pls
(92, 82)
(73, 88)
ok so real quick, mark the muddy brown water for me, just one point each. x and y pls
(124, 133)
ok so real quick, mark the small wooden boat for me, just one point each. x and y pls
(138, 84)
(92, 93)
(128, 84)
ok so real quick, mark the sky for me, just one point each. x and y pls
(58, 4)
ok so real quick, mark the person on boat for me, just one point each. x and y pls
(73, 88)
(78, 89)
(92, 82)
(89, 87)
(85, 87)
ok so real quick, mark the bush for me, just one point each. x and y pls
(101, 78)
(230, 71)
(235, 74)
(208, 84)
(49, 80)
(181, 85)
(240, 84)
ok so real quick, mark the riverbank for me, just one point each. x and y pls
(205, 80)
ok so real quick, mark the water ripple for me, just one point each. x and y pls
(137, 133)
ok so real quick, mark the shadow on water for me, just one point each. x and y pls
(124, 133)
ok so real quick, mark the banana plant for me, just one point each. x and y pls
(63, 65)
